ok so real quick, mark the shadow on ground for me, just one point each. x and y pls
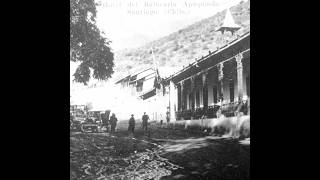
(200, 156)
(159, 153)
(208, 158)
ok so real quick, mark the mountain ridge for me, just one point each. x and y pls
(182, 47)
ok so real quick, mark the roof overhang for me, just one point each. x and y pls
(148, 94)
(134, 76)
(119, 81)
(234, 47)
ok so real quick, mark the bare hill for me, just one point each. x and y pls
(184, 46)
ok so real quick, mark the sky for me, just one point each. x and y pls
(132, 23)
(128, 30)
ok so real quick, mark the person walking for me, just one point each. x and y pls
(145, 119)
(132, 124)
(113, 122)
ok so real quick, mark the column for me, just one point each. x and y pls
(192, 83)
(192, 101)
(182, 95)
(204, 78)
(220, 83)
(204, 85)
(239, 58)
(179, 97)
(173, 101)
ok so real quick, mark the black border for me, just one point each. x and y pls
(280, 96)
(37, 91)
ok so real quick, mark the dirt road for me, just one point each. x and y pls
(158, 154)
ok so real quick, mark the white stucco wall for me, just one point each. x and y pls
(148, 85)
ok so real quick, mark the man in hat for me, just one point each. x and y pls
(145, 119)
(168, 117)
(131, 124)
(113, 122)
(105, 120)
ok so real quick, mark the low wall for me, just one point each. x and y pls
(212, 121)
(233, 125)
(224, 125)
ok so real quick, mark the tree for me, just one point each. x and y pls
(87, 45)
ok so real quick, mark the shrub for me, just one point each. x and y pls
(176, 47)
(225, 126)
(185, 50)
(205, 47)
(245, 129)
(194, 128)
(128, 54)
(179, 126)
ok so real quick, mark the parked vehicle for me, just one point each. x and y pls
(92, 123)
(95, 116)
(77, 116)
(89, 125)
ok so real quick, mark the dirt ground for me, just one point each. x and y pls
(159, 153)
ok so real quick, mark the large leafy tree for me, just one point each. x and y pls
(87, 45)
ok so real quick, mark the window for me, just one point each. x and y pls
(191, 101)
(231, 88)
(215, 94)
(139, 86)
(205, 96)
(198, 98)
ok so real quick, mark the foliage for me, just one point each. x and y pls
(87, 45)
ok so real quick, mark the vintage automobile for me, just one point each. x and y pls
(89, 125)
(95, 116)
(77, 117)
(92, 122)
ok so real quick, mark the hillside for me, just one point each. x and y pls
(184, 46)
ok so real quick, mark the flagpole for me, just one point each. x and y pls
(155, 68)
(155, 64)
(154, 59)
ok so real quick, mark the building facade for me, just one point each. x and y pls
(139, 83)
(218, 81)
(146, 87)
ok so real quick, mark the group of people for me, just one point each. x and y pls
(112, 121)
(132, 123)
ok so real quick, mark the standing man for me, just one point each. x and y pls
(105, 120)
(113, 122)
(132, 124)
(145, 119)
(168, 117)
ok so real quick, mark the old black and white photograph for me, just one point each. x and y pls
(159, 89)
